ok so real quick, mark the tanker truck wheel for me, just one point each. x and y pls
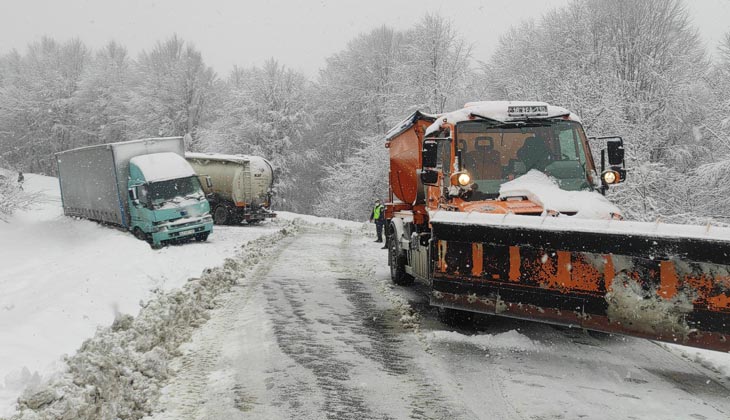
(397, 262)
(221, 215)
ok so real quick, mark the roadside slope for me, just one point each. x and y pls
(61, 278)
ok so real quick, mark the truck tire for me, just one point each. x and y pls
(202, 237)
(397, 262)
(137, 232)
(221, 215)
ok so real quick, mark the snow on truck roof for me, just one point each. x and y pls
(220, 157)
(502, 111)
(162, 166)
(408, 123)
(126, 142)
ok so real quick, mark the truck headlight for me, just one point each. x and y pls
(464, 179)
(461, 179)
(610, 177)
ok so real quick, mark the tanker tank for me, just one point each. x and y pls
(241, 186)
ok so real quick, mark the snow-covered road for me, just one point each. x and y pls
(294, 319)
(309, 337)
(318, 332)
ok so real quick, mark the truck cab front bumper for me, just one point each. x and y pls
(183, 230)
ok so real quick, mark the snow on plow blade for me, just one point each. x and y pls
(658, 281)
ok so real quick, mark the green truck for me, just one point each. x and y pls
(145, 186)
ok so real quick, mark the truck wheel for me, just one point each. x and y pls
(397, 263)
(221, 215)
(202, 237)
(137, 232)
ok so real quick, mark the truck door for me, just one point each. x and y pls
(139, 209)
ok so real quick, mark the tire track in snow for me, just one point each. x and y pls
(204, 386)
(318, 333)
(386, 339)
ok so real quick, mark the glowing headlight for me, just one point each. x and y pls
(611, 177)
(463, 179)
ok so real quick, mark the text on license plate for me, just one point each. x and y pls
(187, 232)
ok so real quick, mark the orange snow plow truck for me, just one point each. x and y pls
(499, 208)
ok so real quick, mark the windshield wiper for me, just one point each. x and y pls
(487, 119)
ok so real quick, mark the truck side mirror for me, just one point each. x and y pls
(429, 154)
(616, 172)
(615, 148)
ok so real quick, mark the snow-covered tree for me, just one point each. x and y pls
(436, 65)
(365, 90)
(103, 96)
(37, 112)
(172, 91)
(351, 187)
(264, 112)
(12, 196)
(629, 68)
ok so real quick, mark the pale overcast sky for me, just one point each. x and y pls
(299, 34)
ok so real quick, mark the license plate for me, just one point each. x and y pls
(187, 232)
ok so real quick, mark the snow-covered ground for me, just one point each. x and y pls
(61, 278)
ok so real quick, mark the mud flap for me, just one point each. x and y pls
(672, 289)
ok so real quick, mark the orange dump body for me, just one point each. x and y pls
(405, 161)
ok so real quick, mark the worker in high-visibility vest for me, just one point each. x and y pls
(378, 215)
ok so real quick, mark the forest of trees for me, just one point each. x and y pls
(631, 68)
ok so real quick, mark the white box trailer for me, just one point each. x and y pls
(116, 184)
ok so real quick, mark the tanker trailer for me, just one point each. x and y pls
(242, 186)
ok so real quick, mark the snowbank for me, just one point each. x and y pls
(61, 278)
(714, 360)
(543, 190)
(322, 221)
(120, 371)
(510, 340)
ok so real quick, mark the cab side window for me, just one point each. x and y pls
(143, 195)
(568, 149)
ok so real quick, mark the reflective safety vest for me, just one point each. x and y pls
(376, 211)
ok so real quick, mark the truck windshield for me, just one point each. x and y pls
(164, 191)
(493, 154)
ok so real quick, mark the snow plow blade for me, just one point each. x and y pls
(658, 281)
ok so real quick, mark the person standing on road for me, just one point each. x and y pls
(378, 215)
(21, 178)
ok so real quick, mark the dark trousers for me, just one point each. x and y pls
(379, 224)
